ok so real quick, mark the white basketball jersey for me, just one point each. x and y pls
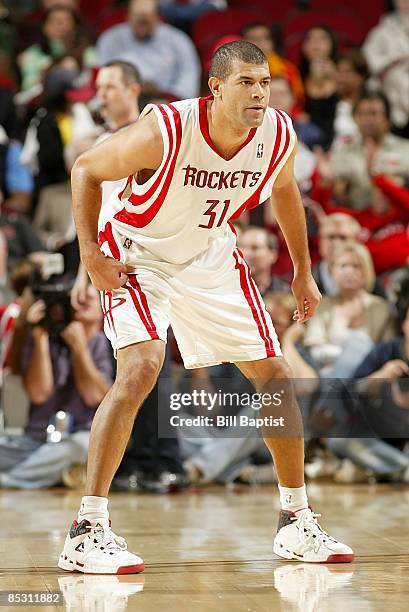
(195, 192)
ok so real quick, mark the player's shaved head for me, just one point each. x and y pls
(238, 50)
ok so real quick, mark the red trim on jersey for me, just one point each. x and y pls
(107, 236)
(259, 304)
(142, 219)
(204, 128)
(247, 294)
(137, 199)
(254, 200)
(142, 308)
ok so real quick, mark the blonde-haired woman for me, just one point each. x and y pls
(348, 323)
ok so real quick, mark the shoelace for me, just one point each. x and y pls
(109, 539)
(310, 531)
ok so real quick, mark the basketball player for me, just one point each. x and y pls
(163, 252)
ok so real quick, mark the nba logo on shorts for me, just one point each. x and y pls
(260, 149)
(127, 243)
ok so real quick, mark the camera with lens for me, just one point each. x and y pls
(49, 284)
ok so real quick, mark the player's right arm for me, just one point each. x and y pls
(134, 149)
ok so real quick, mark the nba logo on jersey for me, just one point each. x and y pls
(127, 243)
(260, 150)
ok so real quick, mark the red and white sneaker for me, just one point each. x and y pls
(300, 537)
(95, 549)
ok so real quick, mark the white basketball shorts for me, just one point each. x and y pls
(212, 303)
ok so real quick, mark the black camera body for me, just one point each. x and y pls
(55, 293)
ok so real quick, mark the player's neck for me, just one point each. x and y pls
(225, 135)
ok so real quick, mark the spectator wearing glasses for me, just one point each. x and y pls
(334, 230)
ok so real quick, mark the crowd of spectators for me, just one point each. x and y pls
(72, 73)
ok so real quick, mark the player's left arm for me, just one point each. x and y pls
(289, 212)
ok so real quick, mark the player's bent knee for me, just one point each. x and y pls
(280, 368)
(138, 380)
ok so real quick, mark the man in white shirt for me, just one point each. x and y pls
(165, 56)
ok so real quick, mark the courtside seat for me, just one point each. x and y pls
(111, 17)
(368, 11)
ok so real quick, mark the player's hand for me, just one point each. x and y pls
(307, 296)
(107, 273)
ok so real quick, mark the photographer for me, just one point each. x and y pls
(66, 367)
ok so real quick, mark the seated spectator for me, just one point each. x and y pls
(334, 230)
(3, 269)
(61, 37)
(181, 13)
(71, 372)
(375, 148)
(16, 180)
(348, 323)
(7, 34)
(261, 35)
(8, 117)
(13, 314)
(117, 91)
(282, 97)
(319, 53)
(387, 51)
(260, 250)
(382, 385)
(165, 56)
(351, 75)
(383, 223)
(22, 239)
(55, 125)
(53, 219)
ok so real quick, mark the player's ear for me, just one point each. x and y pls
(215, 86)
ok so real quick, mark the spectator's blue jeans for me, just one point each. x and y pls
(28, 464)
(370, 453)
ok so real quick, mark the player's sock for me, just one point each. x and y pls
(293, 499)
(93, 508)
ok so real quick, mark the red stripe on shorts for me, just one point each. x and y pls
(260, 305)
(247, 294)
(104, 310)
(142, 307)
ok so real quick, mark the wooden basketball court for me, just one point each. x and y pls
(210, 550)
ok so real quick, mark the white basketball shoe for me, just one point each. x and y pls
(300, 537)
(95, 549)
